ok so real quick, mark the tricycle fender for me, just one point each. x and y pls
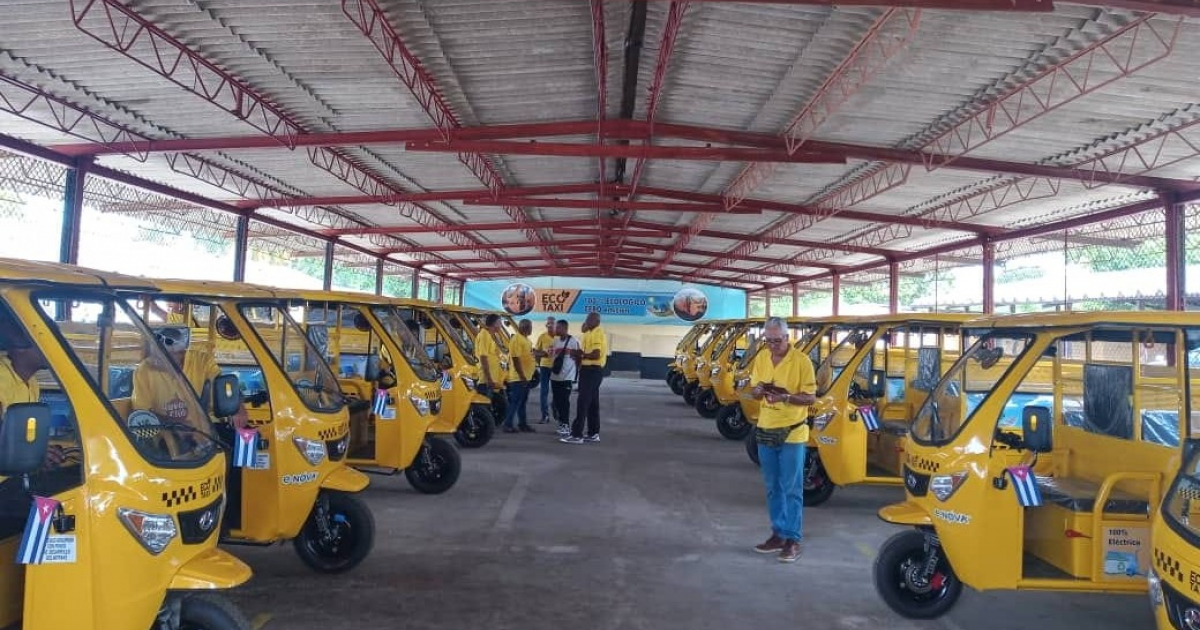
(345, 480)
(212, 569)
(906, 513)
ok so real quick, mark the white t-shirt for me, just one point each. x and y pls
(569, 365)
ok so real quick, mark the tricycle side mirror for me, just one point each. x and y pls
(226, 395)
(371, 371)
(877, 384)
(1037, 429)
(24, 438)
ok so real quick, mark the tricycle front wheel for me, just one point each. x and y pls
(904, 581)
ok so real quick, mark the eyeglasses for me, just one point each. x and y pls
(774, 339)
(169, 341)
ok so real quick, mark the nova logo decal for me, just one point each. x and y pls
(953, 518)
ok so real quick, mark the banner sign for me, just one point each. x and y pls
(658, 303)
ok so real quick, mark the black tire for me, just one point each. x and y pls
(707, 404)
(207, 611)
(477, 428)
(436, 468)
(900, 558)
(499, 407)
(350, 528)
(751, 447)
(690, 392)
(817, 486)
(675, 382)
(731, 423)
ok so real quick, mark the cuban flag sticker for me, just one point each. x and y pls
(245, 449)
(870, 418)
(37, 531)
(1025, 485)
(380, 406)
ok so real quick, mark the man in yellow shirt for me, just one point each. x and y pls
(154, 387)
(520, 372)
(784, 381)
(541, 352)
(492, 359)
(594, 355)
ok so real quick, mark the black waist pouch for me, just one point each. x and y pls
(774, 437)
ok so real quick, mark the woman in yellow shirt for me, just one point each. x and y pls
(785, 383)
(520, 371)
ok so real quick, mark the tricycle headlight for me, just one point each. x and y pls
(1156, 590)
(420, 404)
(469, 382)
(742, 383)
(822, 420)
(715, 371)
(154, 531)
(312, 450)
(944, 486)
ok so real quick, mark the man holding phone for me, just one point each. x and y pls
(785, 383)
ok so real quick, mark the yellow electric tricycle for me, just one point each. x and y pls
(675, 367)
(721, 358)
(393, 389)
(1038, 458)
(1174, 578)
(870, 386)
(299, 486)
(697, 363)
(123, 531)
(450, 343)
(686, 361)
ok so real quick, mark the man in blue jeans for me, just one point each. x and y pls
(786, 384)
(541, 352)
(520, 371)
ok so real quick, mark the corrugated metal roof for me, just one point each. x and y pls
(736, 67)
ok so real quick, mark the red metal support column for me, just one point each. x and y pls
(379, 276)
(837, 292)
(241, 246)
(327, 284)
(893, 287)
(989, 277)
(795, 300)
(1176, 235)
(72, 213)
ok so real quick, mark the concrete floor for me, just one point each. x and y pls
(650, 529)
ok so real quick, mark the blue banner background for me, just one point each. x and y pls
(618, 301)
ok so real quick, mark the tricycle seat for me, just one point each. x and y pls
(894, 427)
(1079, 495)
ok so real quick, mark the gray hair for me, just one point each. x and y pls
(776, 322)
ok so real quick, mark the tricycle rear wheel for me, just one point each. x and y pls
(206, 611)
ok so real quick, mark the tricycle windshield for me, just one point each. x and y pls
(458, 330)
(140, 381)
(973, 378)
(410, 347)
(1181, 508)
(731, 334)
(301, 361)
(839, 358)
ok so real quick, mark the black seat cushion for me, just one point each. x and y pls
(1079, 495)
(895, 427)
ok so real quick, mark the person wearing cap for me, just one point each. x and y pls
(199, 367)
(541, 352)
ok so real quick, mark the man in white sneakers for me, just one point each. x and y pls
(564, 364)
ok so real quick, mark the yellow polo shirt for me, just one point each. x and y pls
(199, 366)
(13, 390)
(155, 389)
(595, 339)
(545, 341)
(794, 374)
(522, 349)
(487, 350)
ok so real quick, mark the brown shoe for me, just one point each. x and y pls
(772, 545)
(790, 552)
